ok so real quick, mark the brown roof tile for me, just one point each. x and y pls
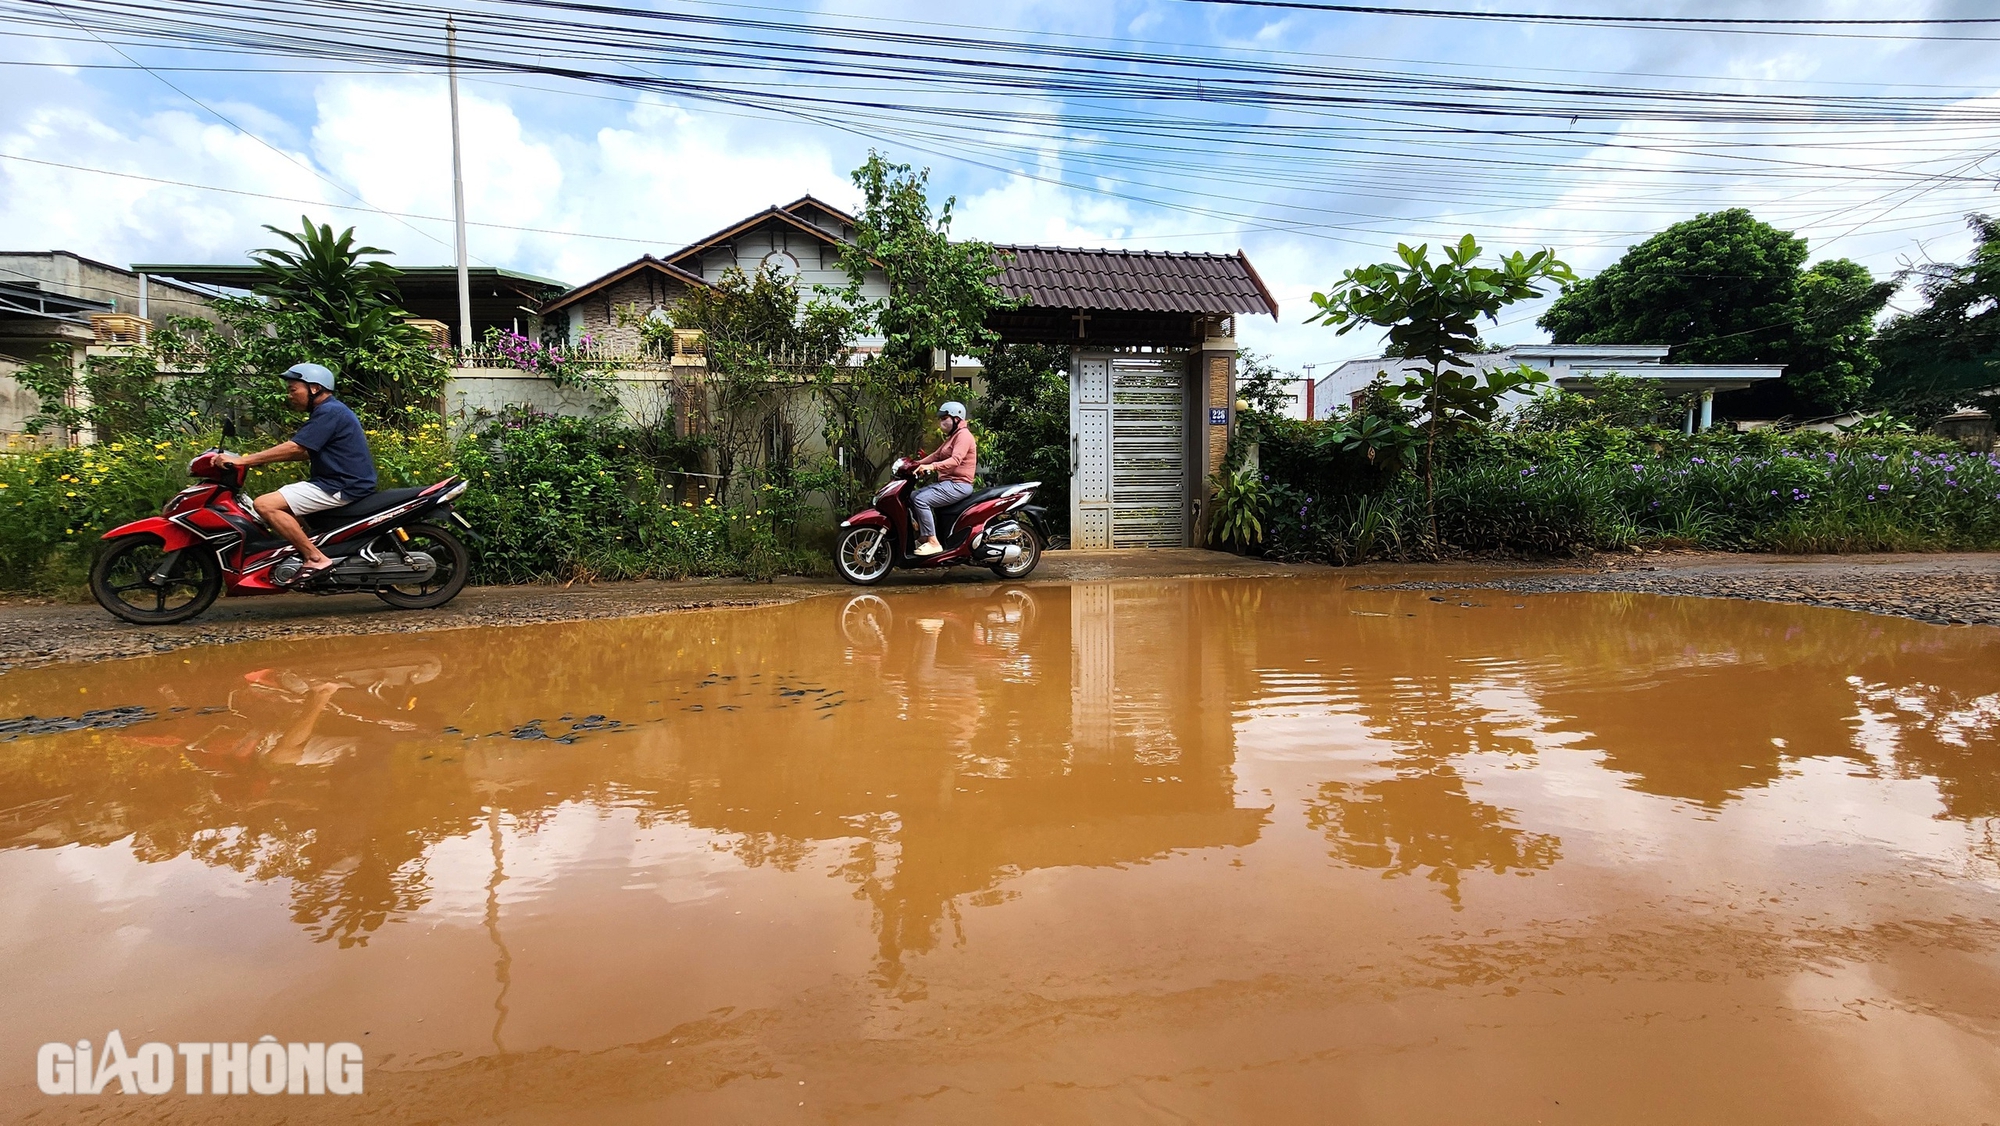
(1137, 280)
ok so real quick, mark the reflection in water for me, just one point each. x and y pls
(1425, 820)
(503, 962)
(341, 779)
(1183, 781)
(952, 742)
(287, 737)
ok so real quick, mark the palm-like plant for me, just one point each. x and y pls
(1239, 508)
(352, 317)
(323, 274)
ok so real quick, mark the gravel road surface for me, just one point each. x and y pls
(1946, 589)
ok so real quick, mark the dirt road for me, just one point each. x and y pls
(1932, 588)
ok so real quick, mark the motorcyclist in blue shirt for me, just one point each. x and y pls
(343, 471)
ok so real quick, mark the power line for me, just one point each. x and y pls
(973, 89)
(1755, 25)
(219, 116)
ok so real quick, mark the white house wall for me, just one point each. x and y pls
(1331, 393)
(819, 263)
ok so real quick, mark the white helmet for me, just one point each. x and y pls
(954, 409)
(311, 374)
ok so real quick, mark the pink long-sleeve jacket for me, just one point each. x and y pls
(956, 458)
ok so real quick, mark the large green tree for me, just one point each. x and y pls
(1726, 287)
(941, 291)
(1945, 354)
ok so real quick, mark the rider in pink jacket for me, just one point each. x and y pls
(953, 462)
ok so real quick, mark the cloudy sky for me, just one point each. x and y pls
(1314, 140)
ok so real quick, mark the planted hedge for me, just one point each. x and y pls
(551, 499)
(1598, 487)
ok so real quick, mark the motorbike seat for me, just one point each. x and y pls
(367, 506)
(947, 517)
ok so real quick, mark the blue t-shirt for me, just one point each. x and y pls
(340, 460)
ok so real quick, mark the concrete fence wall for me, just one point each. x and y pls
(475, 394)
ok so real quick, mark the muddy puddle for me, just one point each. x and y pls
(1212, 850)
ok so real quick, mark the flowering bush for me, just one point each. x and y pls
(551, 498)
(54, 504)
(554, 363)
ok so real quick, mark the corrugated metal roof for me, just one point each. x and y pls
(1135, 280)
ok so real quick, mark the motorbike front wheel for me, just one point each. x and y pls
(864, 556)
(454, 566)
(122, 581)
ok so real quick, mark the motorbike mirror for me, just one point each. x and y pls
(228, 429)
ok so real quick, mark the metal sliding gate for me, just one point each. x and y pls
(1128, 426)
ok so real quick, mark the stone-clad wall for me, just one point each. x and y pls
(597, 314)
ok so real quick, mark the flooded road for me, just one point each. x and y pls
(1204, 850)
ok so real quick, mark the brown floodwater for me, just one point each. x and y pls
(1209, 850)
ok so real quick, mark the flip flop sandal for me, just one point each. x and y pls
(306, 575)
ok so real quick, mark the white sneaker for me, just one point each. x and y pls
(930, 548)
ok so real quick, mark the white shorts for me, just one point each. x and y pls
(305, 498)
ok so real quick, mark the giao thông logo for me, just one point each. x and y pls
(264, 1068)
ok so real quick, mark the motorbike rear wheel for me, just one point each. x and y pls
(864, 556)
(122, 581)
(454, 566)
(1031, 555)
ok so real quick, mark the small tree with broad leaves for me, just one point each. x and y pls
(1431, 311)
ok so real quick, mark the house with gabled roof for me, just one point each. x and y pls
(803, 239)
(1151, 336)
(605, 311)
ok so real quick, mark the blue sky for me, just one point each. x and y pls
(1306, 191)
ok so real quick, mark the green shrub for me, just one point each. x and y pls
(557, 498)
(56, 504)
(1239, 508)
(1597, 486)
(550, 499)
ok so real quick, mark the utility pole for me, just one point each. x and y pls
(458, 186)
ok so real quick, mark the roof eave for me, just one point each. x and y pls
(730, 232)
(565, 300)
(1257, 280)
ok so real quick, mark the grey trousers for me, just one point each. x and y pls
(929, 497)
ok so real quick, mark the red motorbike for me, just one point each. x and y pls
(999, 528)
(394, 544)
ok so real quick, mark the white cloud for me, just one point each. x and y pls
(122, 219)
(655, 173)
(661, 174)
